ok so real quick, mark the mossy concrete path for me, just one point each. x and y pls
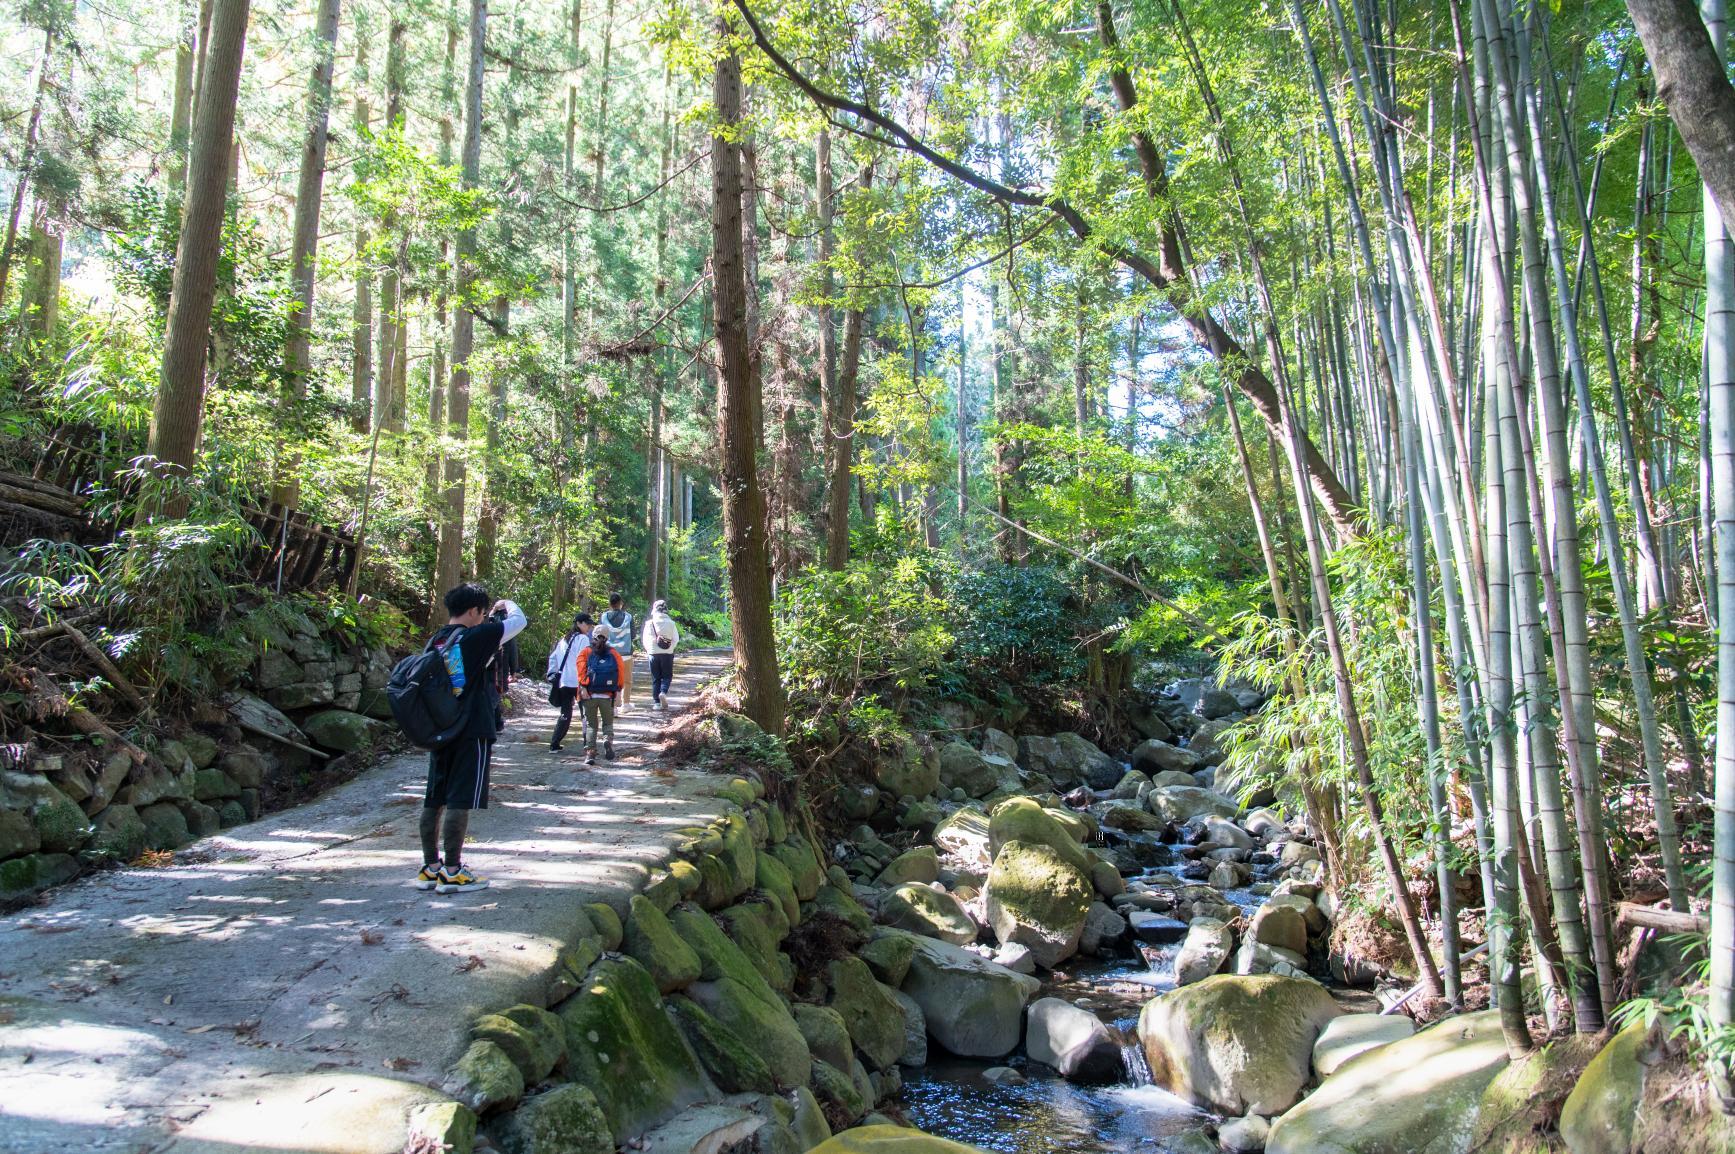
(282, 986)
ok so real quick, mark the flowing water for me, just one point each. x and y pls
(1045, 1114)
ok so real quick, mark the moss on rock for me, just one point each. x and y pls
(485, 1078)
(622, 1046)
(871, 1012)
(734, 1065)
(827, 1036)
(1022, 819)
(839, 903)
(653, 943)
(608, 925)
(888, 956)
(565, 1120)
(774, 879)
(529, 1035)
(1038, 899)
(805, 873)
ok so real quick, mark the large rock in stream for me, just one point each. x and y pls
(1069, 758)
(1236, 1044)
(974, 1008)
(890, 1140)
(1414, 1096)
(1039, 900)
(1074, 1041)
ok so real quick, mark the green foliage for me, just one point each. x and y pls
(840, 632)
(1016, 623)
(1684, 1013)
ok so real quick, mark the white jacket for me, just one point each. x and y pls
(565, 659)
(659, 623)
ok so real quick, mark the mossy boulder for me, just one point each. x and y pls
(1416, 1096)
(532, 1037)
(343, 731)
(1235, 1044)
(907, 770)
(840, 903)
(1183, 803)
(61, 826)
(767, 1022)
(759, 926)
(930, 912)
(1521, 1107)
(1022, 819)
(565, 1120)
(734, 1065)
(119, 834)
(165, 826)
(734, 992)
(1344, 1038)
(202, 820)
(650, 940)
(623, 1047)
(1036, 898)
(740, 857)
(921, 864)
(974, 1008)
(890, 1140)
(827, 1037)
(36, 871)
(1598, 1115)
(888, 956)
(837, 1090)
(445, 1126)
(485, 1078)
(774, 879)
(962, 767)
(870, 1011)
(608, 925)
(805, 873)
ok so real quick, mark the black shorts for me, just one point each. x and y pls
(458, 774)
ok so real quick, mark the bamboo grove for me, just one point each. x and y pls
(1385, 350)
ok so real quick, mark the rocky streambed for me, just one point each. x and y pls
(1022, 945)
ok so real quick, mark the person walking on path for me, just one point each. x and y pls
(563, 677)
(620, 636)
(601, 674)
(458, 771)
(659, 639)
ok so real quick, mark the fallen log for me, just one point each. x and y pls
(1652, 918)
(93, 652)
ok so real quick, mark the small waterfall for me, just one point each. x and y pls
(1138, 1071)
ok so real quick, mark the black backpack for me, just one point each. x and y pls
(421, 697)
(604, 673)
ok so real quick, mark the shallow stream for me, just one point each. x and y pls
(1044, 1113)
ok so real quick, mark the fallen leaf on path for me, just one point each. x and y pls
(372, 937)
(206, 1029)
(400, 1064)
(471, 963)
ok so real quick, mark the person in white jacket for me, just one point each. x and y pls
(562, 676)
(659, 638)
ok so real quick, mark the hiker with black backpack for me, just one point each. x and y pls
(445, 698)
(601, 673)
(563, 663)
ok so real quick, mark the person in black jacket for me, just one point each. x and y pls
(458, 771)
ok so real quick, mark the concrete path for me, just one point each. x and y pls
(283, 987)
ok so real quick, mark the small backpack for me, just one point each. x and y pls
(428, 707)
(604, 673)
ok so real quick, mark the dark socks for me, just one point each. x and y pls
(430, 835)
(457, 824)
(450, 833)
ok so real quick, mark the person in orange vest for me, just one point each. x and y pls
(601, 674)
